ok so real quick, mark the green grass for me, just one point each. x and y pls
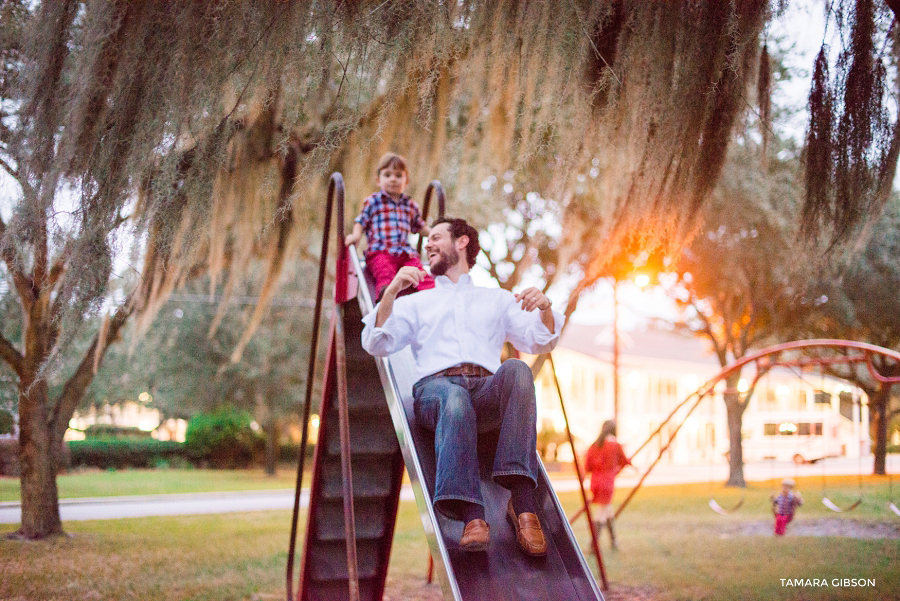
(672, 543)
(672, 548)
(99, 483)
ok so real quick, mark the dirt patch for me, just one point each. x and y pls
(817, 527)
(413, 591)
(432, 592)
(621, 592)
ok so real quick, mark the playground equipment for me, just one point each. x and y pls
(891, 505)
(714, 505)
(790, 354)
(367, 434)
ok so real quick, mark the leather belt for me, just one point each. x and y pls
(465, 369)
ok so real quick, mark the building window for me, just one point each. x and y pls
(599, 389)
(770, 429)
(787, 428)
(822, 398)
(797, 402)
(768, 400)
(578, 383)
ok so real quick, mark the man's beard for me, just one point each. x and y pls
(445, 261)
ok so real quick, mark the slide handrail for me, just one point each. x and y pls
(434, 186)
(341, 293)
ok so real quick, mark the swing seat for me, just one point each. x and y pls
(894, 508)
(830, 505)
(714, 505)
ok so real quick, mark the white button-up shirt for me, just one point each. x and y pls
(458, 323)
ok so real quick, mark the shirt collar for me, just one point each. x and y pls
(385, 197)
(465, 281)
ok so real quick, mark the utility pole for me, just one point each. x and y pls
(616, 349)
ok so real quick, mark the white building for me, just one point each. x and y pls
(127, 414)
(793, 414)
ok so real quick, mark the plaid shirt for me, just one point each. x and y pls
(786, 503)
(388, 223)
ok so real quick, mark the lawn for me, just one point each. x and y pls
(672, 547)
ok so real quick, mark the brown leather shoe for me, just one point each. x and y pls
(476, 536)
(528, 531)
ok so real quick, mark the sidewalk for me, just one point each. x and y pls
(762, 471)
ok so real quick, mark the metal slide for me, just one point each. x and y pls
(382, 437)
(503, 572)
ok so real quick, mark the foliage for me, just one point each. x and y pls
(99, 431)
(9, 457)
(857, 298)
(741, 278)
(187, 368)
(7, 422)
(852, 143)
(739, 281)
(216, 134)
(121, 453)
(223, 438)
(858, 290)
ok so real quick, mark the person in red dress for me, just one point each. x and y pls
(605, 459)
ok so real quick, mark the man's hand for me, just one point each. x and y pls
(352, 239)
(406, 277)
(532, 299)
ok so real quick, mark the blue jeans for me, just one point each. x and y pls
(451, 406)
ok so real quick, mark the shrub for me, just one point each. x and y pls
(223, 439)
(111, 431)
(9, 457)
(288, 451)
(7, 422)
(120, 453)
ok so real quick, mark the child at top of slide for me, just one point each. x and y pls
(388, 217)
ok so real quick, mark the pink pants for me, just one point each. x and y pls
(384, 266)
(781, 522)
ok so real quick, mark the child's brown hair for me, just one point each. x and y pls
(391, 159)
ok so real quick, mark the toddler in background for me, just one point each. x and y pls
(784, 505)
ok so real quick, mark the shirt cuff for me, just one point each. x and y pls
(376, 341)
(545, 341)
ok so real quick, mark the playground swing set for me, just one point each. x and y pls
(765, 360)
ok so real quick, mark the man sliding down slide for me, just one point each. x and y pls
(456, 332)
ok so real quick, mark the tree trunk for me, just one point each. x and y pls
(878, 405)
(271, 431)
(40, 497)
(734, 409)
(266, 417)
